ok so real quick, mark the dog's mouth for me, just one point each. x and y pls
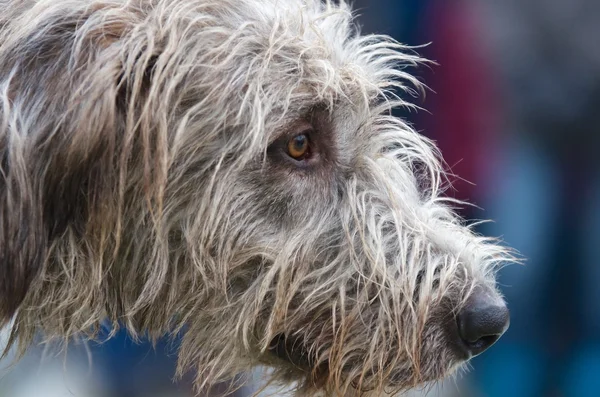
(293, 351)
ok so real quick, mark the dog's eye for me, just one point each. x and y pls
(299, 147)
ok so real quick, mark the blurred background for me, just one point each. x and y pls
(514, 104)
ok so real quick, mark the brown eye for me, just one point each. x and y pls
(298, 147)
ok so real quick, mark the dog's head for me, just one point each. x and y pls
(231, 168)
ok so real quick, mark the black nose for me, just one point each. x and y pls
(482, 321)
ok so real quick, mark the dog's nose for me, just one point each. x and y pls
(482, 321)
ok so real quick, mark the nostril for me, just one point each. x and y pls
(482, 322)
(480, 345)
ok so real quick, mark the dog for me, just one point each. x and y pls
(230, 170)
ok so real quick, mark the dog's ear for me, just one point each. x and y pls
(22, 236)
(65, 177)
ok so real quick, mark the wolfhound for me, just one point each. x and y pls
(230, 170)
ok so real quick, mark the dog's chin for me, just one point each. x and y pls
(294, 352)
(407, 379)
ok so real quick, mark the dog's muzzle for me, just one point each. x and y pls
(481, 322)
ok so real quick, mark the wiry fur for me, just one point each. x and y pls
(137, 186)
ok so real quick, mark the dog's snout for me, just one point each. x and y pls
(482, 321)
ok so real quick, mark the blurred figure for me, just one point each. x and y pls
(138, 369)
(119, 367)
(544, 193)
(41, 374)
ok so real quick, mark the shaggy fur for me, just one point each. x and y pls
(143, 183)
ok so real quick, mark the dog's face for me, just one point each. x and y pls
(231, 168)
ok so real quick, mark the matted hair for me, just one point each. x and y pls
(141, 184)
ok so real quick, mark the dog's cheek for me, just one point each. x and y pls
(40, 199)
(22, 240)
(69, 194)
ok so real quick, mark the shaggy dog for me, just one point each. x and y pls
(230, 170)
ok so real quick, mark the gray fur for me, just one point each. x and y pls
(138, 186)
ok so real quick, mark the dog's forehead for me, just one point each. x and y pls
(308, 48)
